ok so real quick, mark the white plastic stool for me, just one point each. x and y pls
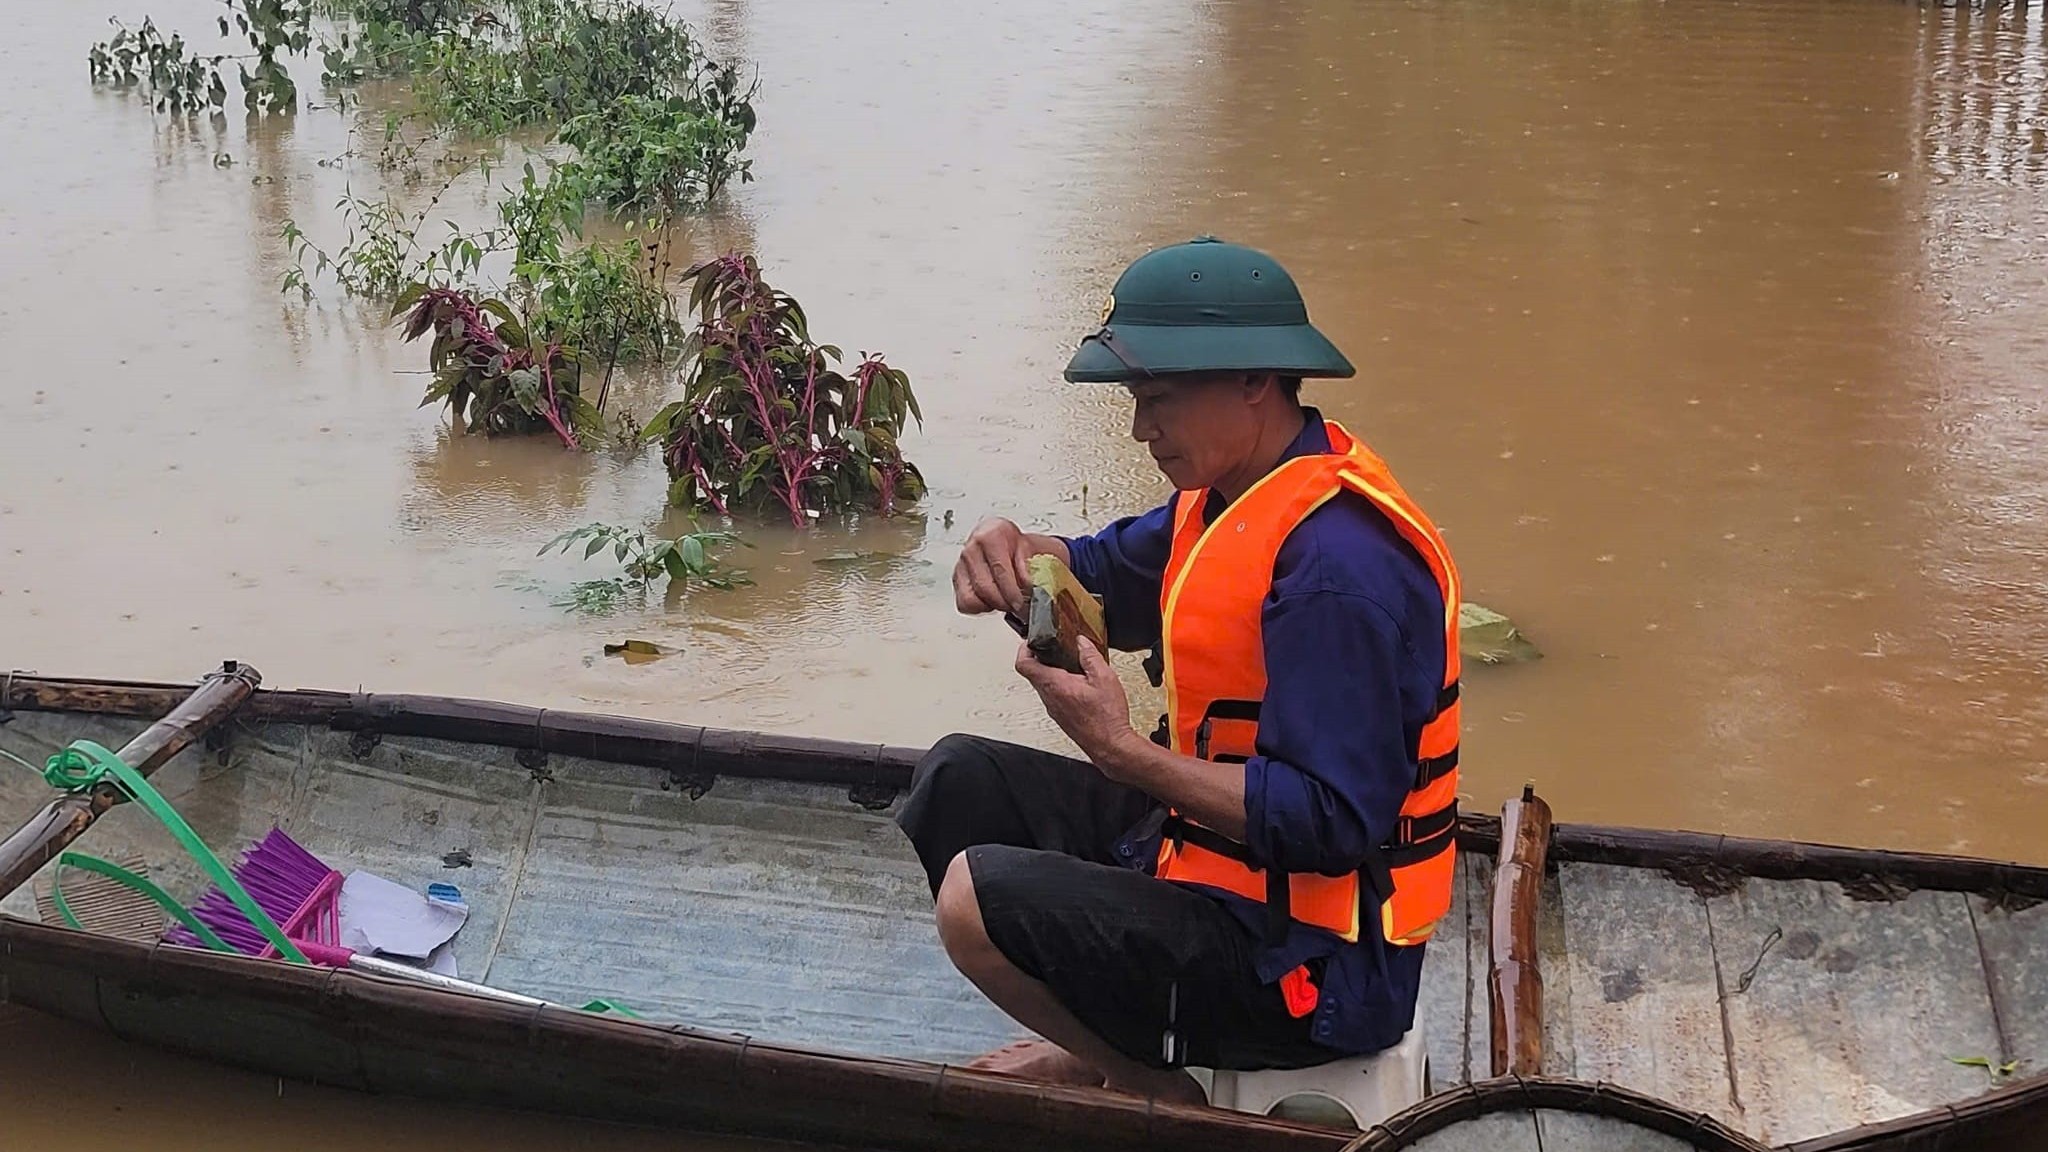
(1360, 1090)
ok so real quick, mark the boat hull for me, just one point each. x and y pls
(750, 895)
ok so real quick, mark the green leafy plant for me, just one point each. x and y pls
(380, 255)
(178, 81)
(173, 79)
(645, 560)
(481, 65)
(493, 376)
(548, 61)
(378, 37)
(766, 420)
(658, 124)
(381, 38)
(612, 296)
(661, 154)
(608, 298)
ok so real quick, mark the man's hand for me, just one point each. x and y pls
(1090, 708)
(990, 575)
(1096, 715)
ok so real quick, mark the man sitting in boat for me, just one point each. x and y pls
(1251, 886)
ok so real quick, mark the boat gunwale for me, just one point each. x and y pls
(692, 756)
(1549, 1093)
(1991, 1114)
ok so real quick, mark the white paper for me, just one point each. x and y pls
(380, 918)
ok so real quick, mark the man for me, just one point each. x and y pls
(1251, 886)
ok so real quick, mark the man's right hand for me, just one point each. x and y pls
(991, 575)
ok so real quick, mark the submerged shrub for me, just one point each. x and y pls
(765, 420)
(549, 61)
(493, 376)
(380, 38)
(483, 66)
(175, 80)
(609, 299)
(169, 75)
(687, 557)
(656, 154)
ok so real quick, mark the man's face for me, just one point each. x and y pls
(1198, 428)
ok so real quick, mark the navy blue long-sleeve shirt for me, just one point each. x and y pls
(1354, 647)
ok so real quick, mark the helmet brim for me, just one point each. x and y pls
(1162, 349)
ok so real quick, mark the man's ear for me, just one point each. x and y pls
(1258, 386)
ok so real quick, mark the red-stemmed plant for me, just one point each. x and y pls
(765, 418)
(494, 377)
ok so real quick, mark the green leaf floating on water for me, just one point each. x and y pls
(1491, 638)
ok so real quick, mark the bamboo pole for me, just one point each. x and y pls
(1515, 982)
(64, 819)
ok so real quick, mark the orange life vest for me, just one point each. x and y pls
(1214, 672)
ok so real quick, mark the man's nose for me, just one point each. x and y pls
(1143, 428)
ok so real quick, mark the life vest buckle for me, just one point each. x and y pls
(1298, 990)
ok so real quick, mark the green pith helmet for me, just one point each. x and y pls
(1204, 306)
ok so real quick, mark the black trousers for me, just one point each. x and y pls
(1162, 972)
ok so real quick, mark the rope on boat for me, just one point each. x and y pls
(83, 765)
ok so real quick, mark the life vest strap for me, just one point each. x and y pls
(1445, 697)
(1232, 710)
(1181, 830)
(1415, 839)
(1279, 906)
(1419, 831)
(1431, 769)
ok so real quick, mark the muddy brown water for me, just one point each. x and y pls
(1710, 331)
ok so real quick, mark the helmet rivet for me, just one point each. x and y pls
(1194, 275)
(1255, 273)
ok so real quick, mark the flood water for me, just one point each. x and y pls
(1711, 331)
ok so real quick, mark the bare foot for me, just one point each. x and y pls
(1039, 1060)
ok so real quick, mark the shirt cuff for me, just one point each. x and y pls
(1257, 830)
(1084, 560)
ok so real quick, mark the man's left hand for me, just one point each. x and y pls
(1090, 708)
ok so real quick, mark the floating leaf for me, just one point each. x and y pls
(637, 651)
(843, 559)
(1491, 638)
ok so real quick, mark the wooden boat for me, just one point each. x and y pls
(749, 897)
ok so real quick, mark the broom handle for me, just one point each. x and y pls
(382, 967)
(44, 835)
